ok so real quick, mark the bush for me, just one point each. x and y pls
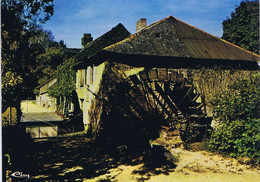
(237, 109)
(239, 138)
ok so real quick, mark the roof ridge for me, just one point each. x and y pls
(115, 34)
(119, 25)
(155, 23)
(47, 81)
(218, 51)
(225, 41)
(139, 32)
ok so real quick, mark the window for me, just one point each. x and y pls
(81, 77)
(91, 75)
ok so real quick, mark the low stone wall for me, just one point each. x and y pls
(30, 106)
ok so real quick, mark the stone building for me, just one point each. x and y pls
(165, 74)
(88, 76)
(43, 99)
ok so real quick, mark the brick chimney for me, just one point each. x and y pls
(140, 24)
(86, 39)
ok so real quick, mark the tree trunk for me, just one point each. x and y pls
(18, 112)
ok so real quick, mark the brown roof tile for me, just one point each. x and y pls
(174, 38)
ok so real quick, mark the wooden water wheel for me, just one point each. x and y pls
(159, 94)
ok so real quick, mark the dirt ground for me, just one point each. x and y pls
(199, 166)
(77, 159)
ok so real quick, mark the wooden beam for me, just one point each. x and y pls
(166, 98)
(136, 105)
(187, 93)
(156, 98)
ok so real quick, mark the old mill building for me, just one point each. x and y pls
(167, 71)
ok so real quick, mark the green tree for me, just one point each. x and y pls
(48, 61)
(19, 25)
(243, 27)
(53, 56)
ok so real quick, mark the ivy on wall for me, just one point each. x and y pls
(66, 79)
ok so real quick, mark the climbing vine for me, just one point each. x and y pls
(66, 79)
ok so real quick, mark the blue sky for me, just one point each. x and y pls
(72, 18)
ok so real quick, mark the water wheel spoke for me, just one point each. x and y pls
(165, 96)
(135, 80)
(147, 98)
(196, 97)
(155, 97)
(185, 96)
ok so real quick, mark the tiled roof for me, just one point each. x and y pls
(116, 34)
(173, 38)
(47, 81)
(71, 52)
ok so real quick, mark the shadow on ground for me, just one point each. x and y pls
(75, 159)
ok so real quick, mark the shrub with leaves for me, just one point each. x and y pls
(238, 111)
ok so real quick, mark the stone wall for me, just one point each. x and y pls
(101, 105)
(211, 82)
(90, 94)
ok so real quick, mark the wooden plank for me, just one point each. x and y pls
(147, 98)
(166, 89)
(166, 98)
(144, 76)
(153, 75)
(126, 90)
(196, 97)
(172, 76)
(162, 75)
(156, 98)
(151, 84)
(134, 100)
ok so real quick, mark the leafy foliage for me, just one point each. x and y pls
(238, 138)
(243, 27)
(28, 11)
(239, 102)
(211, 82)
(66, 77)
(11, 83)
(47, 62)
(19, 46)
(238, 110)
(53, 56)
